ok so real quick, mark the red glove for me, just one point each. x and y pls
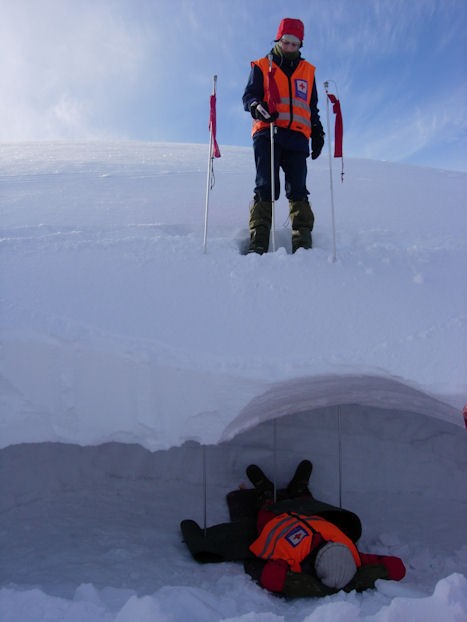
(274, 574)
(394, 565)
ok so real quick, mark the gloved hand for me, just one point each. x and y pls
(394, 565)
(317, 140)
(274, 575)
(303, 585)
(259, 111)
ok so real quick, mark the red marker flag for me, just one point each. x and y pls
(273, 91)
(339, 126)
(212, 126)
(214, 152)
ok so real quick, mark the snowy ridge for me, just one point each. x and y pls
(125, 349)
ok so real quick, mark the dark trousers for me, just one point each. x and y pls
(292, 162)
(231, 541)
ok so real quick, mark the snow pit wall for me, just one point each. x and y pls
(402, 472)
(387, 456)
(50, 393)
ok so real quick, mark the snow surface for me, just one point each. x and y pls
(131, 358)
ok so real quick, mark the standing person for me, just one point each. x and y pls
(295, 122)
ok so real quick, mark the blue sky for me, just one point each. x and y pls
(142, 70)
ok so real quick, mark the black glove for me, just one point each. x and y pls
(302, 585)
(259, 111)
(317, 140)
(366, 576)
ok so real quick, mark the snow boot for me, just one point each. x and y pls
(263, 485)
(302, 220)
(298, 485)
(301, 238)
(259, 240)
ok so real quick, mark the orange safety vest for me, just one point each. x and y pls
(290, 537)
(295, 92)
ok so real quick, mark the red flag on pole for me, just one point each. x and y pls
(212, 126)
(339, 126)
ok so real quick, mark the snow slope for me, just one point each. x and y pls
(125, 348)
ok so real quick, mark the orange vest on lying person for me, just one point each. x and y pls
(290, 537)
(295, 93)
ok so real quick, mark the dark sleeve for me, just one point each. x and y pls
(218, 543)
(314, 114)
(254, 90)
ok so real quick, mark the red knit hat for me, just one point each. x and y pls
(290, 26)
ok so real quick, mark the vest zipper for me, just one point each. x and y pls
(289, 78)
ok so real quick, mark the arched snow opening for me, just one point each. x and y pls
(379, 447)
(306, 394)
(403, 472)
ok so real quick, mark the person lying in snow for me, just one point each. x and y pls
(297, 546)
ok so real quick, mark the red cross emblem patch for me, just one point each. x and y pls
(296, 535)
(301, 88)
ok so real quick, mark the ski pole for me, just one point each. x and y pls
(339, 433)
(274, 459)
(326, 85)
(205, 495)
(209, 175)
(273, 184)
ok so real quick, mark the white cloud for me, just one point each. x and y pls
(397, 133)
(143, 69)
(63, 63)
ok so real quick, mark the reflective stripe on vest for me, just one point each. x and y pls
(294, 106)
(290, 537)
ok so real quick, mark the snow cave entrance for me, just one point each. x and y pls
(369, 438)
(403, 472)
